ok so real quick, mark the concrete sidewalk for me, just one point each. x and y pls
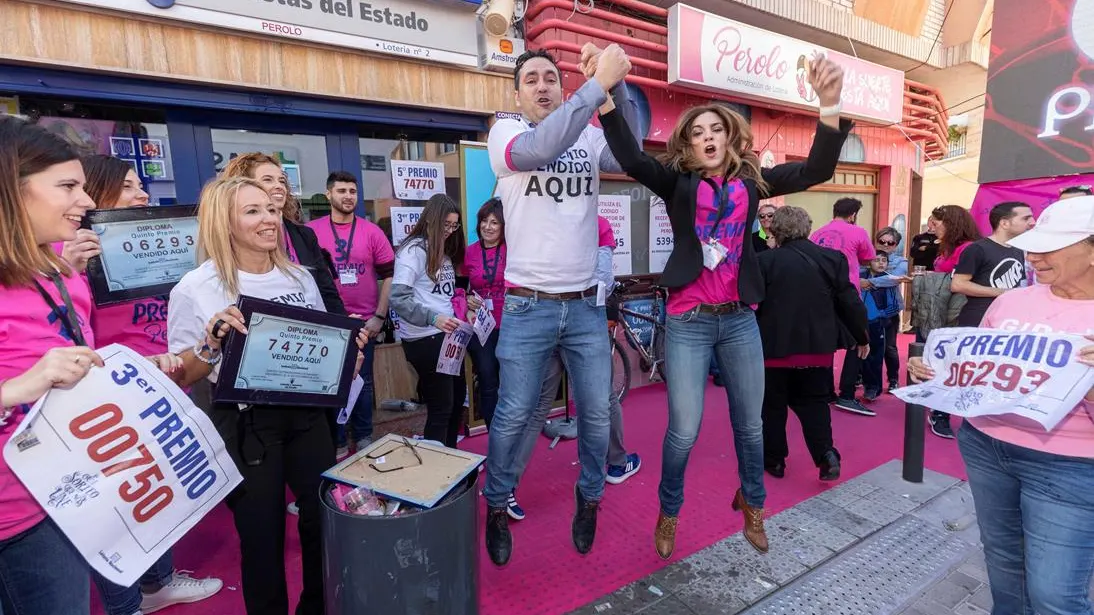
(875, 545)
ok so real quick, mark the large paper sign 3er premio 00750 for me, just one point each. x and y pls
(984, 372)
(123, 462)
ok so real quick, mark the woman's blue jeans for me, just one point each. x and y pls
(733, 339)
(1036, 515)
(41, 573)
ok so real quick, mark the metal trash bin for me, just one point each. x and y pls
(426, 563)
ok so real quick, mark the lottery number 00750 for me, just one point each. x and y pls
(1003, 377)
(108, 440)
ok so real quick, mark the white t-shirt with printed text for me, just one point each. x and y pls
(550, 213)
(434, 295)
(199, 295)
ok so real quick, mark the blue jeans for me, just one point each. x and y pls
(41, 573)
(874, 364)
(485, 360)
(361, 418)
(734, 340)
(534, 329)
(118, 600)
(1036, 515)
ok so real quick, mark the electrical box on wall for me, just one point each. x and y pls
(499, 53)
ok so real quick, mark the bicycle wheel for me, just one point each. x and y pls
(659, 352)
(621, 372)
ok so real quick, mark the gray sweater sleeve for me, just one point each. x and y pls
(402, 301)
(553, 136)
(629, 109)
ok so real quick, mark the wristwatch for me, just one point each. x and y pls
(831, 109)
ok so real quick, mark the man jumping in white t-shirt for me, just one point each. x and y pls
(548, 165)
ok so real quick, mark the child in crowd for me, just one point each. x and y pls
(882, 304)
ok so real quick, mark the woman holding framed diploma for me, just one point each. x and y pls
(141, 325)
(241, 242)
(45, 339)
(421, 294)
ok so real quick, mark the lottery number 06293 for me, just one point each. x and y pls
(108, 440)
(1003, 377)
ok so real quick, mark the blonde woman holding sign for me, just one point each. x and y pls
(240, 234)
(1034, 491)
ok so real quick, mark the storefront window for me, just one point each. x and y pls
(378, 188)
(640, 220)
(137, 136)
(304, 158)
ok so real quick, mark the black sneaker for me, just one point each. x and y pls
(940, 425)
(871, 395)
(777, 469)
(854, 405)
(499, 541)
(583, 530)
(894, 385)
(830, 467)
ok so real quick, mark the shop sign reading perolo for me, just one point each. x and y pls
(435, 31)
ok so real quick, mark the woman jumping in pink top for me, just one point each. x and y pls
(1034, 492)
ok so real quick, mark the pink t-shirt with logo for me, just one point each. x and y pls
(851, 239)
(369, 249)
(1037, 310)
(604, 229)
(28, 329)
(946, 264)
(720, 285)
(486, 269)
(140, 325)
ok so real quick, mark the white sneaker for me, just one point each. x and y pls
(293, 508)
(181, 589)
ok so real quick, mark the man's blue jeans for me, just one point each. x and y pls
(1036, 515)
(534, 329)
(118, 600)
(41, 573)
(361, 418)
(734, 340)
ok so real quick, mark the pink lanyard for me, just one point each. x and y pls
(290, 248)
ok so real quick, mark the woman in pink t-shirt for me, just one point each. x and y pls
(1034, 491)
(484, 265)
(45, 342)
(141, 325)
(712, 183)
(956, 230)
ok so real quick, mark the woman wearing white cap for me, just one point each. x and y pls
(1034, 491)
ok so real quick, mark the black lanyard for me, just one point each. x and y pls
(490, 271)
(721, 195)
(66, 317)
(349, 242)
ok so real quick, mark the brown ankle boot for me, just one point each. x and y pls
(664, 535)
(754, 523)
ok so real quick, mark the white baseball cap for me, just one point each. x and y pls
(1062, 224)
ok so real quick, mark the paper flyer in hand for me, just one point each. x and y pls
(985, 372)
(123, 462)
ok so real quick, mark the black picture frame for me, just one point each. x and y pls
(226, 389)
(96, 271)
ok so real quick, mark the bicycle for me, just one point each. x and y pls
(651, 355)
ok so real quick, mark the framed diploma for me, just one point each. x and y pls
(291, 356)
(145, 251)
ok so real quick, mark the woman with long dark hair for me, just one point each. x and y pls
(241, 246)
(711, 181)
(421, 294)
(142, 326)
(956, 230)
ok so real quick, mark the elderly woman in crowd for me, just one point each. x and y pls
(809, 306)
(1034, 491)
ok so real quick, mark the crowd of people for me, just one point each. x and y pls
(770, 308)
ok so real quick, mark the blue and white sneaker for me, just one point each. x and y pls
(618, 474)
(516, 513)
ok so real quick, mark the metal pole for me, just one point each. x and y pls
(915, 427)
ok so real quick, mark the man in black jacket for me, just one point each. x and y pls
(810, 310)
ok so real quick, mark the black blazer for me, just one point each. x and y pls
(678, 189)
(318, 262)
(802, 313)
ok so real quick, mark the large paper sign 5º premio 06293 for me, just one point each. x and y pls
(983, 372)
(123, 462)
